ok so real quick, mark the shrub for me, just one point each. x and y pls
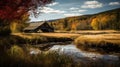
(5, 31)
(16, 52)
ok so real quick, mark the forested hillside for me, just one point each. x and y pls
(100, 21)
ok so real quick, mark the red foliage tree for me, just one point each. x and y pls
(11, 10)
(14, 9)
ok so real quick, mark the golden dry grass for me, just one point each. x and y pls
(108, 40)
(96, 31)
(38, 38)
(112, 38)
(54, 59)
(18, 57)
(102, 42)
(55, 35)
(67, 34)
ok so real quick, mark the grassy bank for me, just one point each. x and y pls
(54, 35)
(18, 57)
(106, 43)
(45, 42)
(38, 38)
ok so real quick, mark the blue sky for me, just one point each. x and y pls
(67, 8)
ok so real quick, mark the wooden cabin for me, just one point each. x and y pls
(36, 27)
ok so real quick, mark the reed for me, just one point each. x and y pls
(109, 43)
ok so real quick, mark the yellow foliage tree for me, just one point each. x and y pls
(73, 26)
(95, 24)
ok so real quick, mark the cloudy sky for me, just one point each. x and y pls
(67, 8)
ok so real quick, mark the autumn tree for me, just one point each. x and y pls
(106, 21)
(95, 24)
(11, 10)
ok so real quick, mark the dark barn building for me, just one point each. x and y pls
(36, 27)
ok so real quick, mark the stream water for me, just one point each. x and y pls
(78, 54)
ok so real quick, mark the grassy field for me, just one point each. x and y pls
(56, 35)
(18, 56)
(98, 31)
(91, 32)
(39, 38)
(103, 43)
(107, 41)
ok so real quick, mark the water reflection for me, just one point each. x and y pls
(78, 54)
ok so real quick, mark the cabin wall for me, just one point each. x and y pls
(45, 28)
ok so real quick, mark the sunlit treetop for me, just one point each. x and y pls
(14, 9)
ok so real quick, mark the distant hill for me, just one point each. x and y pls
(100, 21)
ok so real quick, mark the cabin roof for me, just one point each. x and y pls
(34, 25)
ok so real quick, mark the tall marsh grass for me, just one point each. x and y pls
(34, 39)
(17, 57)
(99, 43)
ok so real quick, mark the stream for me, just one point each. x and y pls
(77, 54)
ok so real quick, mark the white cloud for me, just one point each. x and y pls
(74, 8)
(72, 14)
(82, 10)
(79, 11)
(92, 4)
(114, 3)
(51, 10)
(53, 4)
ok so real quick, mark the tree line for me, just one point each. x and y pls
(108, 20)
